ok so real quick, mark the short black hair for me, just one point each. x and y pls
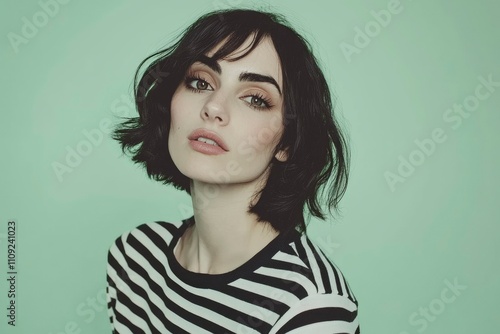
(316, 146)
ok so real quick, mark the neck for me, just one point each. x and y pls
(225, 235)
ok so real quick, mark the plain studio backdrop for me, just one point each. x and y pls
(417, 86)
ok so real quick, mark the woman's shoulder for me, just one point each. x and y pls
(316, 292)
(313, 270)
(159, 232)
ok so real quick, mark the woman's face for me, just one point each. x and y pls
(240, 103)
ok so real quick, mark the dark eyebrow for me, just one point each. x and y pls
(210, 62)
(246, 76)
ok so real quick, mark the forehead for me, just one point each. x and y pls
(263, 59)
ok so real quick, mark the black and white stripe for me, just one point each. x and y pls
(288, 287)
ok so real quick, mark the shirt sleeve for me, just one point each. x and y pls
(116, 278)
(320, 313)
(111, 288)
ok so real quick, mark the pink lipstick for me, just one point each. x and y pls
(207, 142)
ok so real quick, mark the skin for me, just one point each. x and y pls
(222, 186)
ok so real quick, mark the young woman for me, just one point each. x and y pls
(238, 114)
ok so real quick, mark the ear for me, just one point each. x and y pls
(282, 155)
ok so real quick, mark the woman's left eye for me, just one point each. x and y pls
(258, 102)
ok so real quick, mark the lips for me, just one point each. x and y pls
(209, 135)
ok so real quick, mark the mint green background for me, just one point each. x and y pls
(395, 247)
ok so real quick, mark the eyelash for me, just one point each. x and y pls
(190, 78)
(266, 101)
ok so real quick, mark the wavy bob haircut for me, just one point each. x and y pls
(316, 147)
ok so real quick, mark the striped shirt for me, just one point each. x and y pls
(288, 287)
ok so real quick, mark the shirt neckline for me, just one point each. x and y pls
(204, 280)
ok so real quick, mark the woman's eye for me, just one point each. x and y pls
(257, 102)
(198, 84)
(202, 85)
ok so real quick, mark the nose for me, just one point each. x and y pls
(215, 109)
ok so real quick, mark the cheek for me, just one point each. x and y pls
(174, 109)
(268, 133)
(178, 108)
(259, 139)
(175, 122)
(266, 137)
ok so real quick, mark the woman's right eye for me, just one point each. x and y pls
(197, 84)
